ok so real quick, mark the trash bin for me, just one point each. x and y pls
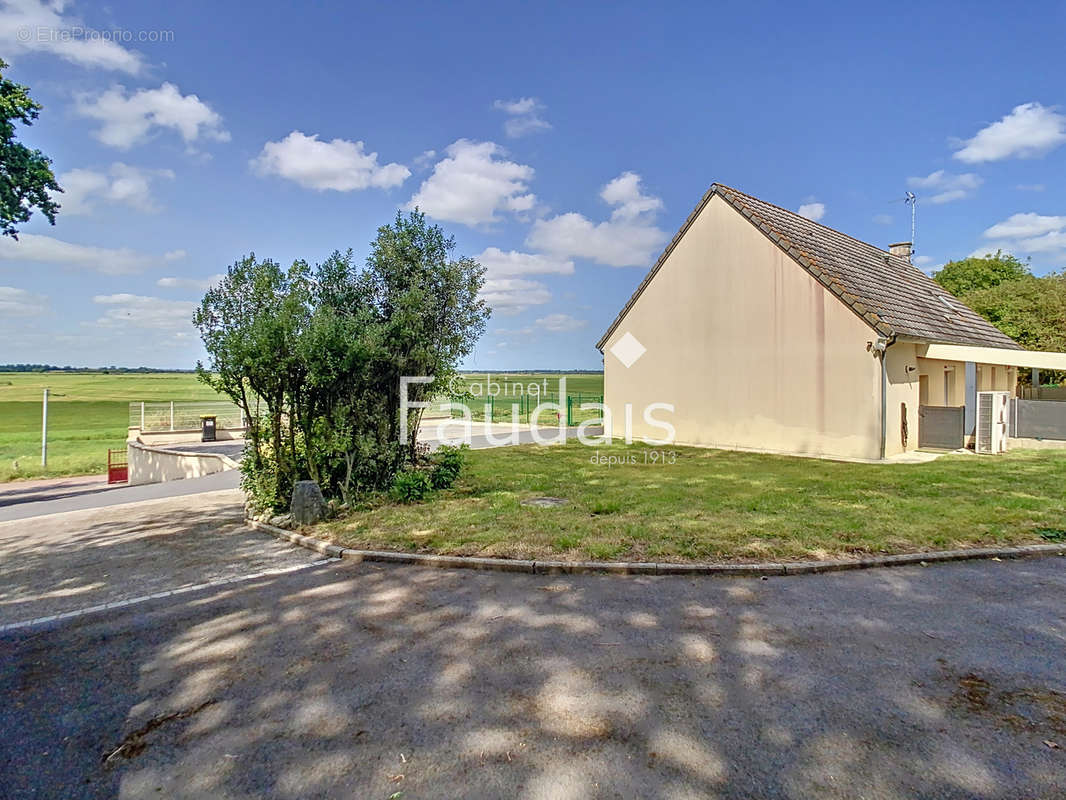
(207, 427)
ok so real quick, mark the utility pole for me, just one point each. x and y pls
(44, 430)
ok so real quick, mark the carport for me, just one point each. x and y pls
(947, 411)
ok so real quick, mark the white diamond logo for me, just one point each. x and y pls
(628, 350)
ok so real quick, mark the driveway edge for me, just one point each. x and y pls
(654, 568)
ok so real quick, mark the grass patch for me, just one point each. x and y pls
(714, 505)
(87, 414)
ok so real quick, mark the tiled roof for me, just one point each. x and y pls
(892, 296)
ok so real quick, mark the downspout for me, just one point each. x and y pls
(880, 346)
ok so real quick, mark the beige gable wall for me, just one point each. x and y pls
(750, 349)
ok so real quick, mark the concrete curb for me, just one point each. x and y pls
(654, 568)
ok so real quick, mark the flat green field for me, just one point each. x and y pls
(635, 503)
(87, 414)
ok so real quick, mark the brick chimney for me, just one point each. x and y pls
(901, 249)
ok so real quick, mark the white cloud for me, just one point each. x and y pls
(1023, 225)
(34, 248)
(174, 255)
(553, 323)
(561, 323)
(129, 119)
(509, 264)
(628, 239)
(883, 219)
(199, 284)
(812, 211)
(338, 164)
(629, 201)
(20, 303)
(1027, 233)
(33, 26)
(472, 183)
(423, 159)
(120, 183)
(945, 186)
(1030, 187)
(173, 317)
(523, 116)
(1028, 131)
(1050, 242)
(509, 296)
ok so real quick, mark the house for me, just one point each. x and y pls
(767, 331)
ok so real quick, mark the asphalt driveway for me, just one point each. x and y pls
(366, 681)
(68, 561)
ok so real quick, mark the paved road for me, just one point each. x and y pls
(500, 437)
(362, 681)
(65, 562)
(102, 496)
(233, 449)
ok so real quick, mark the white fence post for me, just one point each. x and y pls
(172, 415)
(142, 415)
(44, 430)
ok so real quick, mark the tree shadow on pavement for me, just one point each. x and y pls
(364, 681)
(64, 562)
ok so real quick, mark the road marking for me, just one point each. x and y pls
(132, 601)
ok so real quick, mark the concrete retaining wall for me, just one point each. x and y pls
(163, 438)
(156, 465)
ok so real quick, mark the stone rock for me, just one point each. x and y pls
(545, 502)
(308, 505)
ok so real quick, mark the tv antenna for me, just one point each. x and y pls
(911, 199)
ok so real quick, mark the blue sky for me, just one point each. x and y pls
(563, 144)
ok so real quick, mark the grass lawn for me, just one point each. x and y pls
(87, 414)
(713, 505)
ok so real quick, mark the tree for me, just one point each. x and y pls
(315, 356)
(429, 305)
(973, 273)
(26, 179)
(250, 324)
(1030, 310)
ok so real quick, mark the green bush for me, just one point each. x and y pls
(316, 358)
(447, 463)
(411, 486)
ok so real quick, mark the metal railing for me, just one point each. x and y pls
(500, 409)
(184, 415)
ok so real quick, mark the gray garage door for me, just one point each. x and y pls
(941, 427)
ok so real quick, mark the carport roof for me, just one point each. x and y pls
(892, 296)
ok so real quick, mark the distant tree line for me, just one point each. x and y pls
(104, 370)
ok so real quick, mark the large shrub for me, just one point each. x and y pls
(314, 356)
